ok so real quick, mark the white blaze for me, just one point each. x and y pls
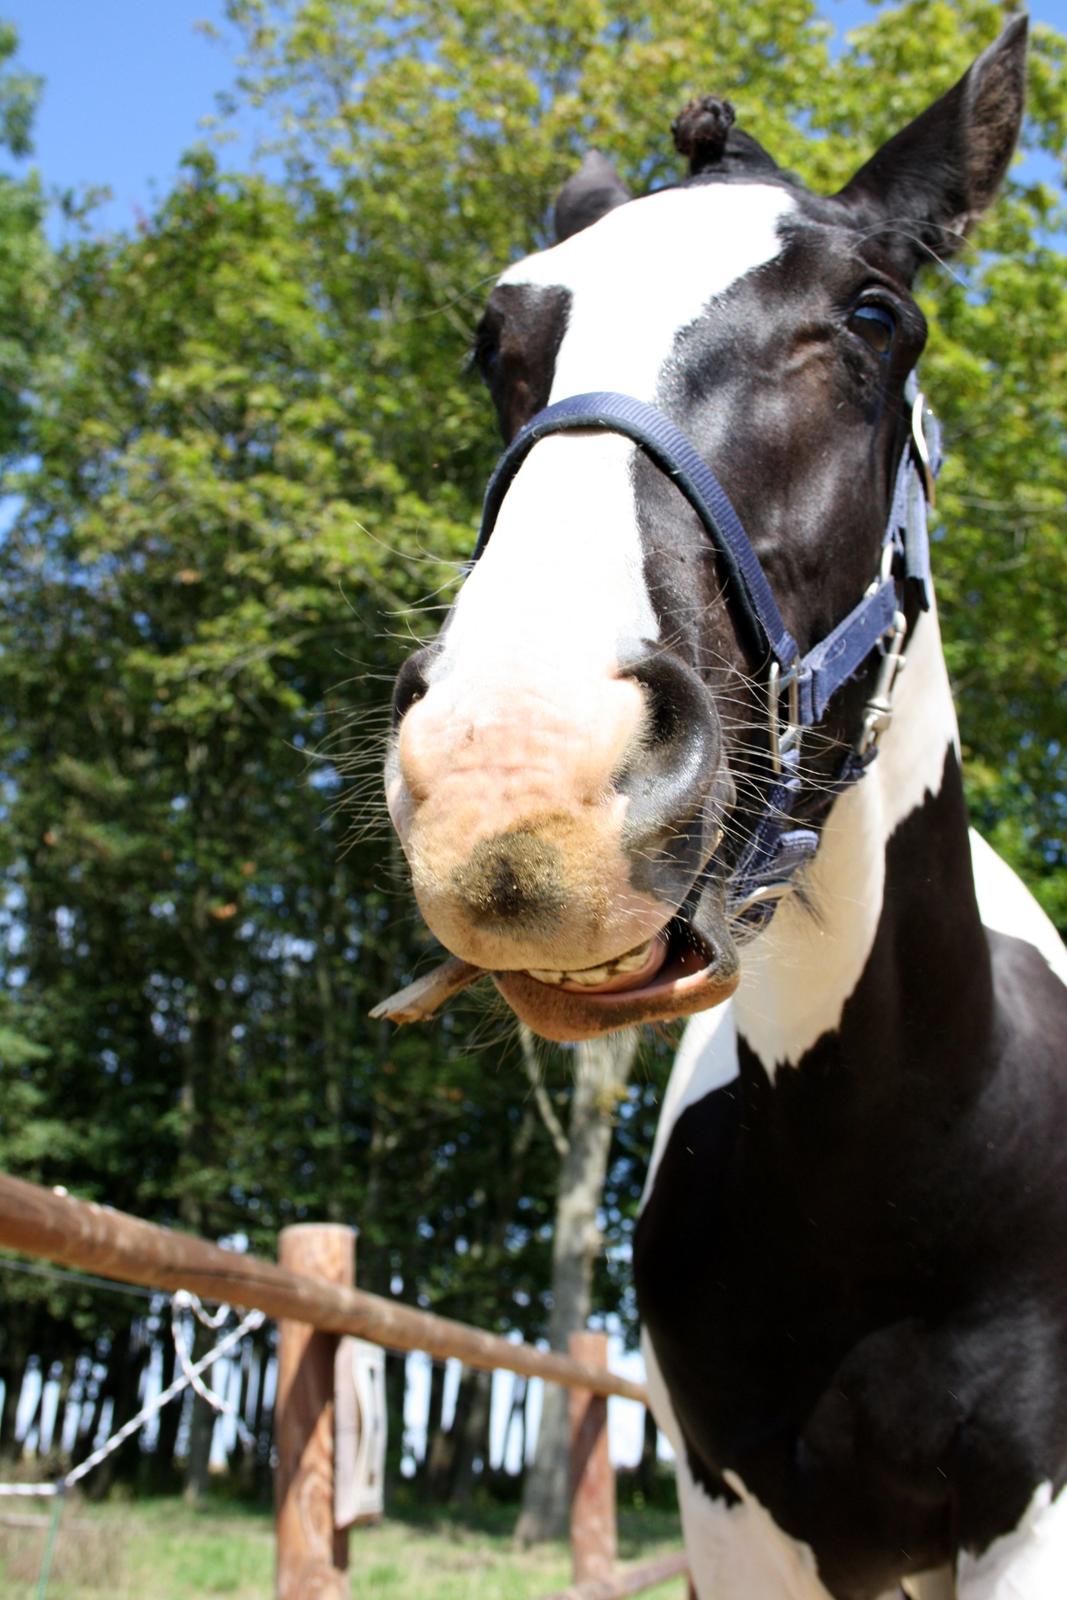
(560, 587)
(646, 271)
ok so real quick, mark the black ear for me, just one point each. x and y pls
(933, 180)
(595, 189)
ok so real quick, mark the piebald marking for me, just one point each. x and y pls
(1030, 1563)
(801, 971)
(645, 272)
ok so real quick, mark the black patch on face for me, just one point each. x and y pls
(803, 422)
(515, 349)
(855, 1277)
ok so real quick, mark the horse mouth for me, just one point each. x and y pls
(677, 972)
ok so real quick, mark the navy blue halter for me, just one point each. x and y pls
(803, 684)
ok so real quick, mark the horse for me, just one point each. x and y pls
(686, 747)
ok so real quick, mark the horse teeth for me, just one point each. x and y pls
(633, 959)
(591, 976)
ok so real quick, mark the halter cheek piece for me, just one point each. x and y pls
(799, 688)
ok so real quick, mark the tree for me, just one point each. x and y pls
(24, 257)
(601, 1073)
(192, 949)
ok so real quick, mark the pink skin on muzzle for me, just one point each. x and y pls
(502, 794)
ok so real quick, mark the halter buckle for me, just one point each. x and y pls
(784, 737)
(878, 712)
(765, 894)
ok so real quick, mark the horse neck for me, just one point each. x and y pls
(892, 869)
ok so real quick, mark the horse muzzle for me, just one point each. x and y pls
(554, 830)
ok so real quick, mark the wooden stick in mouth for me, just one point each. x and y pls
(422, 998)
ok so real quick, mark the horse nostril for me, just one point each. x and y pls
(411, 683)
(664, 724)
(680, 749)
(671, 778)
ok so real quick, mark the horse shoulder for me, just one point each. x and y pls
(706, 1061)
(1007, 907)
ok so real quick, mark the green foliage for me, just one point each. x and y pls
(24, 261)
(19, 92)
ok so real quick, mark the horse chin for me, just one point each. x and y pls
(687, 971)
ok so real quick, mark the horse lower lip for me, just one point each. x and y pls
(696, 974)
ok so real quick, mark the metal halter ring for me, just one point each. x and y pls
(922, 449)
(783, 736)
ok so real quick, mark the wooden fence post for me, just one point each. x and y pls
(593, 1540)
(312, 1557)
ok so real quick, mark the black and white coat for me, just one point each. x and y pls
(852, 1258)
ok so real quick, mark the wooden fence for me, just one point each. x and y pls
(311, 1293)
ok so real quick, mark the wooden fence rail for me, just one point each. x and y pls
(79, 1233)
(311, 1295)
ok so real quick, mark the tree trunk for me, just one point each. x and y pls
(163, 1474)
(125, 1360)
(470, 1429)
(433, 1475)
(197, 1476)
(601, 1071)
(23, 1333)
(646, 1469)
(198, 1464)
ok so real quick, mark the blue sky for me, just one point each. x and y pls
(127, 83)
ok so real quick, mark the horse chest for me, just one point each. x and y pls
(850, 1293)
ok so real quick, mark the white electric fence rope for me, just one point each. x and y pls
(190, 1376)
(181, 1301)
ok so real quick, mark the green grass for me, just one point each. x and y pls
(161, 1550)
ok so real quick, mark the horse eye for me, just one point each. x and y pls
(875, 325)
(486, 351)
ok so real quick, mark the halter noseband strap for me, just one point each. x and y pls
(672, 452)
(805, 683)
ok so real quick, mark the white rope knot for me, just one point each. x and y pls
(182, 1301)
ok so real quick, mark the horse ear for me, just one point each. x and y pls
(932, 181)
(594, 190)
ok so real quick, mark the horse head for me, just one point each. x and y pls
(583, 758)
